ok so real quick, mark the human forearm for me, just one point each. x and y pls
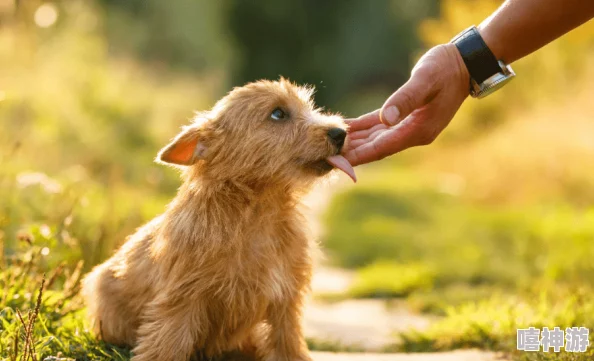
(519, 27)
(418, 111)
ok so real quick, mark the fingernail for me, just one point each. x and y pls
(390, 115)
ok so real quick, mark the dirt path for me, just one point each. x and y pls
(366, 324)
(465, 355)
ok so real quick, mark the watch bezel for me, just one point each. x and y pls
(493, 83)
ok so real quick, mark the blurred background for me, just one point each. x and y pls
(496, 213)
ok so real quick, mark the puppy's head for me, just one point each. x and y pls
(261, 133)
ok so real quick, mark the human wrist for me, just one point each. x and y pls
(490, 36)
(487, 73)
(458, 63)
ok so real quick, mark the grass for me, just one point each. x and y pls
(414, 228)
(487, 264)
(384, 279)
(437, 301)
(52, 322)
(49, 301)
(492, 323)
(43, 317)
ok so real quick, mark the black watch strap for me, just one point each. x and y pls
(479, 60)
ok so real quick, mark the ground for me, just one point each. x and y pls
(368, 325)
(470, 355)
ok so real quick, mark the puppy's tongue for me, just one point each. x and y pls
(343, 164)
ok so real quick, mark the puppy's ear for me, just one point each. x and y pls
(186, 149)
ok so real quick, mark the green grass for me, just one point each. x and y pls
(384, 279)
(492, 323)
(58, 328)
(411, 222)
(487, 268)
(437, 301)
(51, 307)
(491, 266)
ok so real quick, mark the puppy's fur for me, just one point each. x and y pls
(226, 267)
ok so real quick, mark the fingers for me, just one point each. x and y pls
(364, 122)
(413, 131)
(362, 134)
(389, 142)
(354, 143)
(418, 91)
(420, 109)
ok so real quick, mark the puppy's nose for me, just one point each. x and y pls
(337, 136)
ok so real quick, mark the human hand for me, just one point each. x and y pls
(416, 113)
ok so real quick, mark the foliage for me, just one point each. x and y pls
(181, 34)
(500, 245)
(58, 327)
(80, 131)
(345, 47)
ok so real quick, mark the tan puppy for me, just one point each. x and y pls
(227, 265)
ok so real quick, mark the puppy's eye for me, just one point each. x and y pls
(278, 114)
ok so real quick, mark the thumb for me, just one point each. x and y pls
(415, 93)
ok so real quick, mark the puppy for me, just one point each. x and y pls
(226, 267)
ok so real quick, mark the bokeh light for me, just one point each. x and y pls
(46, 15)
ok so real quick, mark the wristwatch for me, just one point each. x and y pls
(487, 74)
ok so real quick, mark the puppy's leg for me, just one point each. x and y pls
(171, 331)
(285, 341)
(106, 306)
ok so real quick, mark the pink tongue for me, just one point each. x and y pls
(341, 163)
